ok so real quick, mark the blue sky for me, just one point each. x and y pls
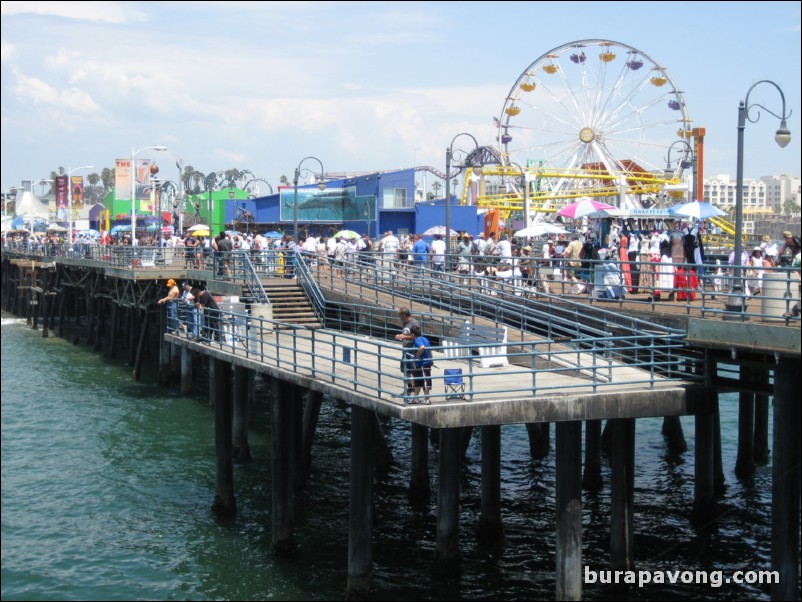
(360, 85)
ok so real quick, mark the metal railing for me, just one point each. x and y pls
(715, 295)
(369, 365)
(712, 294)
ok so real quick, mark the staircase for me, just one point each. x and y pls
(290, 303)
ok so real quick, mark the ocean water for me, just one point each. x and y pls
(107, 487)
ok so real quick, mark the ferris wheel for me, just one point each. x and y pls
(596, 118)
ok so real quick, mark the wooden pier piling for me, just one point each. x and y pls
(569, 510)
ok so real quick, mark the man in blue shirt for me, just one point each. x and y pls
(420, 253)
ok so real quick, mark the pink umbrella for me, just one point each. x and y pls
(583, 208)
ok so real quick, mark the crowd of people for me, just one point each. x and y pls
(609, 260)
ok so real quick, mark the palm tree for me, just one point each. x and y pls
(284, 181)
(107, 176)
(91, 194)
(436, 186)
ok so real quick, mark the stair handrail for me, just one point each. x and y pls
(252, 280)
(310, 286)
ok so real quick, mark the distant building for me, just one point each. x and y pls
(765, 195)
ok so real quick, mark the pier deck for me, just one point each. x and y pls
(371, 379)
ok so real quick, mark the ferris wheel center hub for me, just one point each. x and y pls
(586, 135)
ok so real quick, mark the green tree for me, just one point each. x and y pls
(790, 206)
(107, 177)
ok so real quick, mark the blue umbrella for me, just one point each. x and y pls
(273, 234)
(696, 210)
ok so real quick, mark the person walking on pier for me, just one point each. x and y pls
(172, 306)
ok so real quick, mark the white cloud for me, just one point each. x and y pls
(104, 12)
(36, 91)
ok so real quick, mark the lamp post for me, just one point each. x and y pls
(524, 191)
(684, 163)
(69, 199)
(449, 157)
(321, 186)
(134, 153)
(783, 136)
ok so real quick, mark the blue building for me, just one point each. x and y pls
(370, 203)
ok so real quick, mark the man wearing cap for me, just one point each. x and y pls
(791, 244)
(172, 306)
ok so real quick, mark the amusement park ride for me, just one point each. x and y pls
(591, 118)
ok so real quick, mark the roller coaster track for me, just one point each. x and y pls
(607, 185)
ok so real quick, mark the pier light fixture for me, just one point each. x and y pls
(449, 157)
(134, 153)
(736, 301)
(321, 186)
(524, 190)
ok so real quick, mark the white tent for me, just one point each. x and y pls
(30, 208)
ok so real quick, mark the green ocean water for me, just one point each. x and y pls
(107, 487)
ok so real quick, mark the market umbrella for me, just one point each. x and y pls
(199, 227)
(118, 229)
(346, 234)
(582, 208)
(56, 228)
(696, 210)
(273, 234)
(200, 233)
(441, 230)
(540, 229)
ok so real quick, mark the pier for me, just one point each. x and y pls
(567, 360)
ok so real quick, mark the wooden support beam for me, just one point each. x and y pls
(491, 527)
(569, 511)
(283, 467)
(420, 490)
(592, 477)
(785, 480)
(360, 515)
(447, 544)
(622, 487)
(242, 449)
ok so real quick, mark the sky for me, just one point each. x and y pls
(362, 86)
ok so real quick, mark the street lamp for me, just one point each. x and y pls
(449, 157)
(134, 153)
(783, 136)
(321, 186)
(69, 199)
(684, 163)
(524, 191)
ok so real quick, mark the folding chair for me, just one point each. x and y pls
(454, 383)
